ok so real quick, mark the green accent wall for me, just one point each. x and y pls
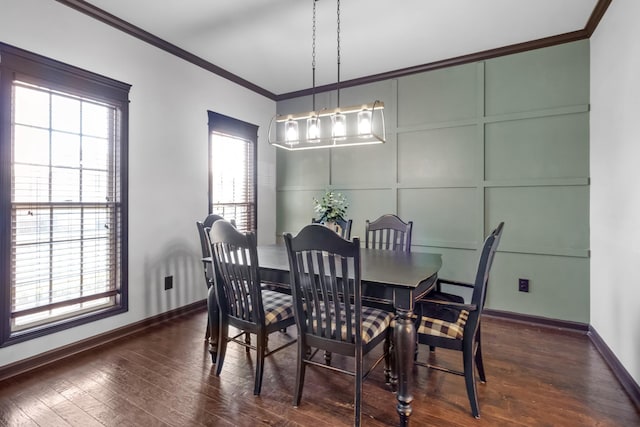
(505, 139)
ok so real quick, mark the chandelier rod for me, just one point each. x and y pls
(313, 57)
(338, 37)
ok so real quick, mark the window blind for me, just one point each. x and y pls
(232, 163)
(65, 206)
(232, 182)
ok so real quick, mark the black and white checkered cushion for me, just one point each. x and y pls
(442, 328)
(374, 322)
(277, 306)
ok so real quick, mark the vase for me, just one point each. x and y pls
(332, 225)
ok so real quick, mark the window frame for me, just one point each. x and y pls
(239, 129)
(18, 64)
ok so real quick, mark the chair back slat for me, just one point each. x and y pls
(326, 282)
(236, 257)
(346, 301)
(389, 239)
(388, 232)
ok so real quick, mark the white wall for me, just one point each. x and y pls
(167, 153)
(615, 174)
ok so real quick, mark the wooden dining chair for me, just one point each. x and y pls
(205, 245)
(340, 226)
(456, 325)
(242, 301)
(388, 232)
(326, 287)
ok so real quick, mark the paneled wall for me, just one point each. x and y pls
(505, 139)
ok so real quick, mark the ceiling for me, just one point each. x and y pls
(269, 42)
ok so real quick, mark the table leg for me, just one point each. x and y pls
(405, 345)
(214, 322)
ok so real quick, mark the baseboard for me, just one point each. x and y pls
(22, 366)
(626, 381)
(538, 321)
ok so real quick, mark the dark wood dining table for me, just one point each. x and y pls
(399, 278)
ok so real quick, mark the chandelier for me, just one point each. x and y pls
(328, 128)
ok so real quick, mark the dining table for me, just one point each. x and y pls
(389, 278)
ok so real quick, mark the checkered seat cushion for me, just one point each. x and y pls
(374, 322)
(277, 306)
(442, 328)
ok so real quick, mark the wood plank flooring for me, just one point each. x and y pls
(164, 377)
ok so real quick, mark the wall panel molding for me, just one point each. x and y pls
(457, 171)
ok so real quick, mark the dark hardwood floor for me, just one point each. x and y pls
(164, 377)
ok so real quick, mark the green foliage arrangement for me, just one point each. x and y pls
(331, 206)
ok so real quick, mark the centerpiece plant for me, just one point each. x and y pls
(331, 206)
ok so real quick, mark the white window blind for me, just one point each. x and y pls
(233, 186)
(65, 209)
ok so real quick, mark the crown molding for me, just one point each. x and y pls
(139, 33)
(109, 19)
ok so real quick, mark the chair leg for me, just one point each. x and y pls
(393, 362)
(261, 344)
(418, 312)
(247, 340)
(303, 351)
(479, 364)
(207, 333)
(213, 322)
(222, 344)
(388, 357)
(327, 358)
(470, 378)
(357, 409)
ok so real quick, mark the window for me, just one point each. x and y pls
(62, 195)
(232, 170)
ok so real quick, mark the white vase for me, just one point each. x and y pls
(332, 225)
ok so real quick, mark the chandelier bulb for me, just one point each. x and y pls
(364, 122)
(291, 131)
(339, 125)
(313, 128)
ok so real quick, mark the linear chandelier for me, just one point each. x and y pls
(328, 128)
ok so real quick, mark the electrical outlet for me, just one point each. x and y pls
(523, 285)
(168, 283)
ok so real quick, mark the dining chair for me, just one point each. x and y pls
(456, 326)
(340, 226)
(388, 232)
(205, 245)
(326, 286)
(242, 302)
